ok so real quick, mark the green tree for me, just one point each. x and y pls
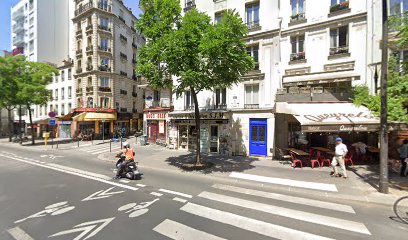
(397, 95)
(33, 80)
(9, 74)
(198, 54)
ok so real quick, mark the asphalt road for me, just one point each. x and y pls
(69, 195)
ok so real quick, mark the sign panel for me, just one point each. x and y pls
(52, 122)
(342, 128)
(51, 114)
(156, 116)
(161, 126)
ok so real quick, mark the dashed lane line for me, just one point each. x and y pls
(180, 200)
(18, 234)
(156, 194)
(175, 193)
(178, 231)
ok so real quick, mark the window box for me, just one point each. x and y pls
(253, 26)
(297, 19)
(104, 28)
(104, 68)
(339, 6)
(104, 89)
(104, 49)
(89, 68)
(339, 50)
(89, 89)
(297, 56)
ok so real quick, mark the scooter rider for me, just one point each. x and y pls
(130, 156)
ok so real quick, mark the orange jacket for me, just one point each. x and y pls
(129, 153)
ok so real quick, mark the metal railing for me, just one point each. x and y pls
(297, 56)
(253, 24)
(339, 50)
(297, 17)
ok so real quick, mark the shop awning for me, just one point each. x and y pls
(320, 78)
(330, 117)
(94, 116)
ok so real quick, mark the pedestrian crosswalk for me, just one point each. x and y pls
(272, 215)
(101, 148)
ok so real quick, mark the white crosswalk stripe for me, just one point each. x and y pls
(103, 148)
(343, 218)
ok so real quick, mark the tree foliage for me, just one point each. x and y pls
(189, 52)
(397, 87)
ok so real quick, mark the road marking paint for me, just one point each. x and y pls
(18, 234)
(106, 150)
(287, 198)
(286, 182)
(97, 148)
(91, 228)
(156, 194)
(101, 194)
(76, 173)
(289, 213)
(80, 171)
(179, 200)
(175, 193)
(249, 224)
(178, 231)
(124, 181)
(140, 185)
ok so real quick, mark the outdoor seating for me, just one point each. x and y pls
(349, 159)
(314, 160)
(283, 158)
(323, 159)
(295, 160)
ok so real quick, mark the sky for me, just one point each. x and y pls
(5, 6)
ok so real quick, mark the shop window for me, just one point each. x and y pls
(251, 96)
(253, 52)
(339, 40)
(214, 139)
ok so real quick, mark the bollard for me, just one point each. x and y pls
(121, 145)
(78, 142)
(110, 146)
(57, 144)
(52, 142)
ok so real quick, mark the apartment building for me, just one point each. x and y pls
(309, 55)
(106, 43)
(39, 30)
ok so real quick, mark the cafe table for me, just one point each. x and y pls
(373, 149)
(325, 150)
(298, 151)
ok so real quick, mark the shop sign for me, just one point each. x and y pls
(64, 122)
(210, 115)
(155, 115)
(339, 116)
(107, 110)
(341, 128)
(202, 121)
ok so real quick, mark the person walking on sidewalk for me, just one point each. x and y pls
(339, 155)
(403, 157)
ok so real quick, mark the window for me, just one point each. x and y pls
(51, 108)
(103, 4)
(104, 22)
(398, 7)
(31, 46)
(253, 52)
(220, 97)
(334, 2)
(104, 102)
(104, 81)
(62, 93)
(40, 110)
(62, 109)
(189, 102)
(339, 40)
(69, 107)
(252, 96)
(90, 102)
(69, 92)
(297, 43)
(89, 82)
(218, 16)
(62, 75)
(56, 94)
(156, 96)
(56, 109)
(69, 74)
(104, 44)
(337, 5)
(298, 10)
(105, 62)
(252, 15)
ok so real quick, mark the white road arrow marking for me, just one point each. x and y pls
(101, 194)
(86, 227)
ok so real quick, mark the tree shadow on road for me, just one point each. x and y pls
(213, 163)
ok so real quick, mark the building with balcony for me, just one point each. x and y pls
(106, 42)
(40, 30)
(306, 53)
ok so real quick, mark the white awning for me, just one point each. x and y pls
(321, 77)
(317, 117)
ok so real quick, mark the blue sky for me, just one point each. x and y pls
(5, 6)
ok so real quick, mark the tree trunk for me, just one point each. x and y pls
(19, 125)
(31, 124)
(197, 121)
(1, 123)
(10, 123)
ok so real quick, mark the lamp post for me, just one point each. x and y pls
(383, 184)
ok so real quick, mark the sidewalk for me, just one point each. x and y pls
(360, 186)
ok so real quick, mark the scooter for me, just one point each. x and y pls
(131, 170)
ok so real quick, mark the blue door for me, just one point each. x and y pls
(258, 137)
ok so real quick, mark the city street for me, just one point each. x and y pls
(69, 194)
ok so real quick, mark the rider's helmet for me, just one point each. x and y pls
(126, 145)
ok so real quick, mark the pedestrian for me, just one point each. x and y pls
(339, 155)
(403, 156)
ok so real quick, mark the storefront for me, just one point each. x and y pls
(94, 122)
(64, 129)
(156, 126)
(306, 125)
(213, 132)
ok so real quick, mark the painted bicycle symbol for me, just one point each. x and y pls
(135, 209)
(53, 210)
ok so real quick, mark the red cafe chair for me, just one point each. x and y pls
(295, 161)
(349, 159)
